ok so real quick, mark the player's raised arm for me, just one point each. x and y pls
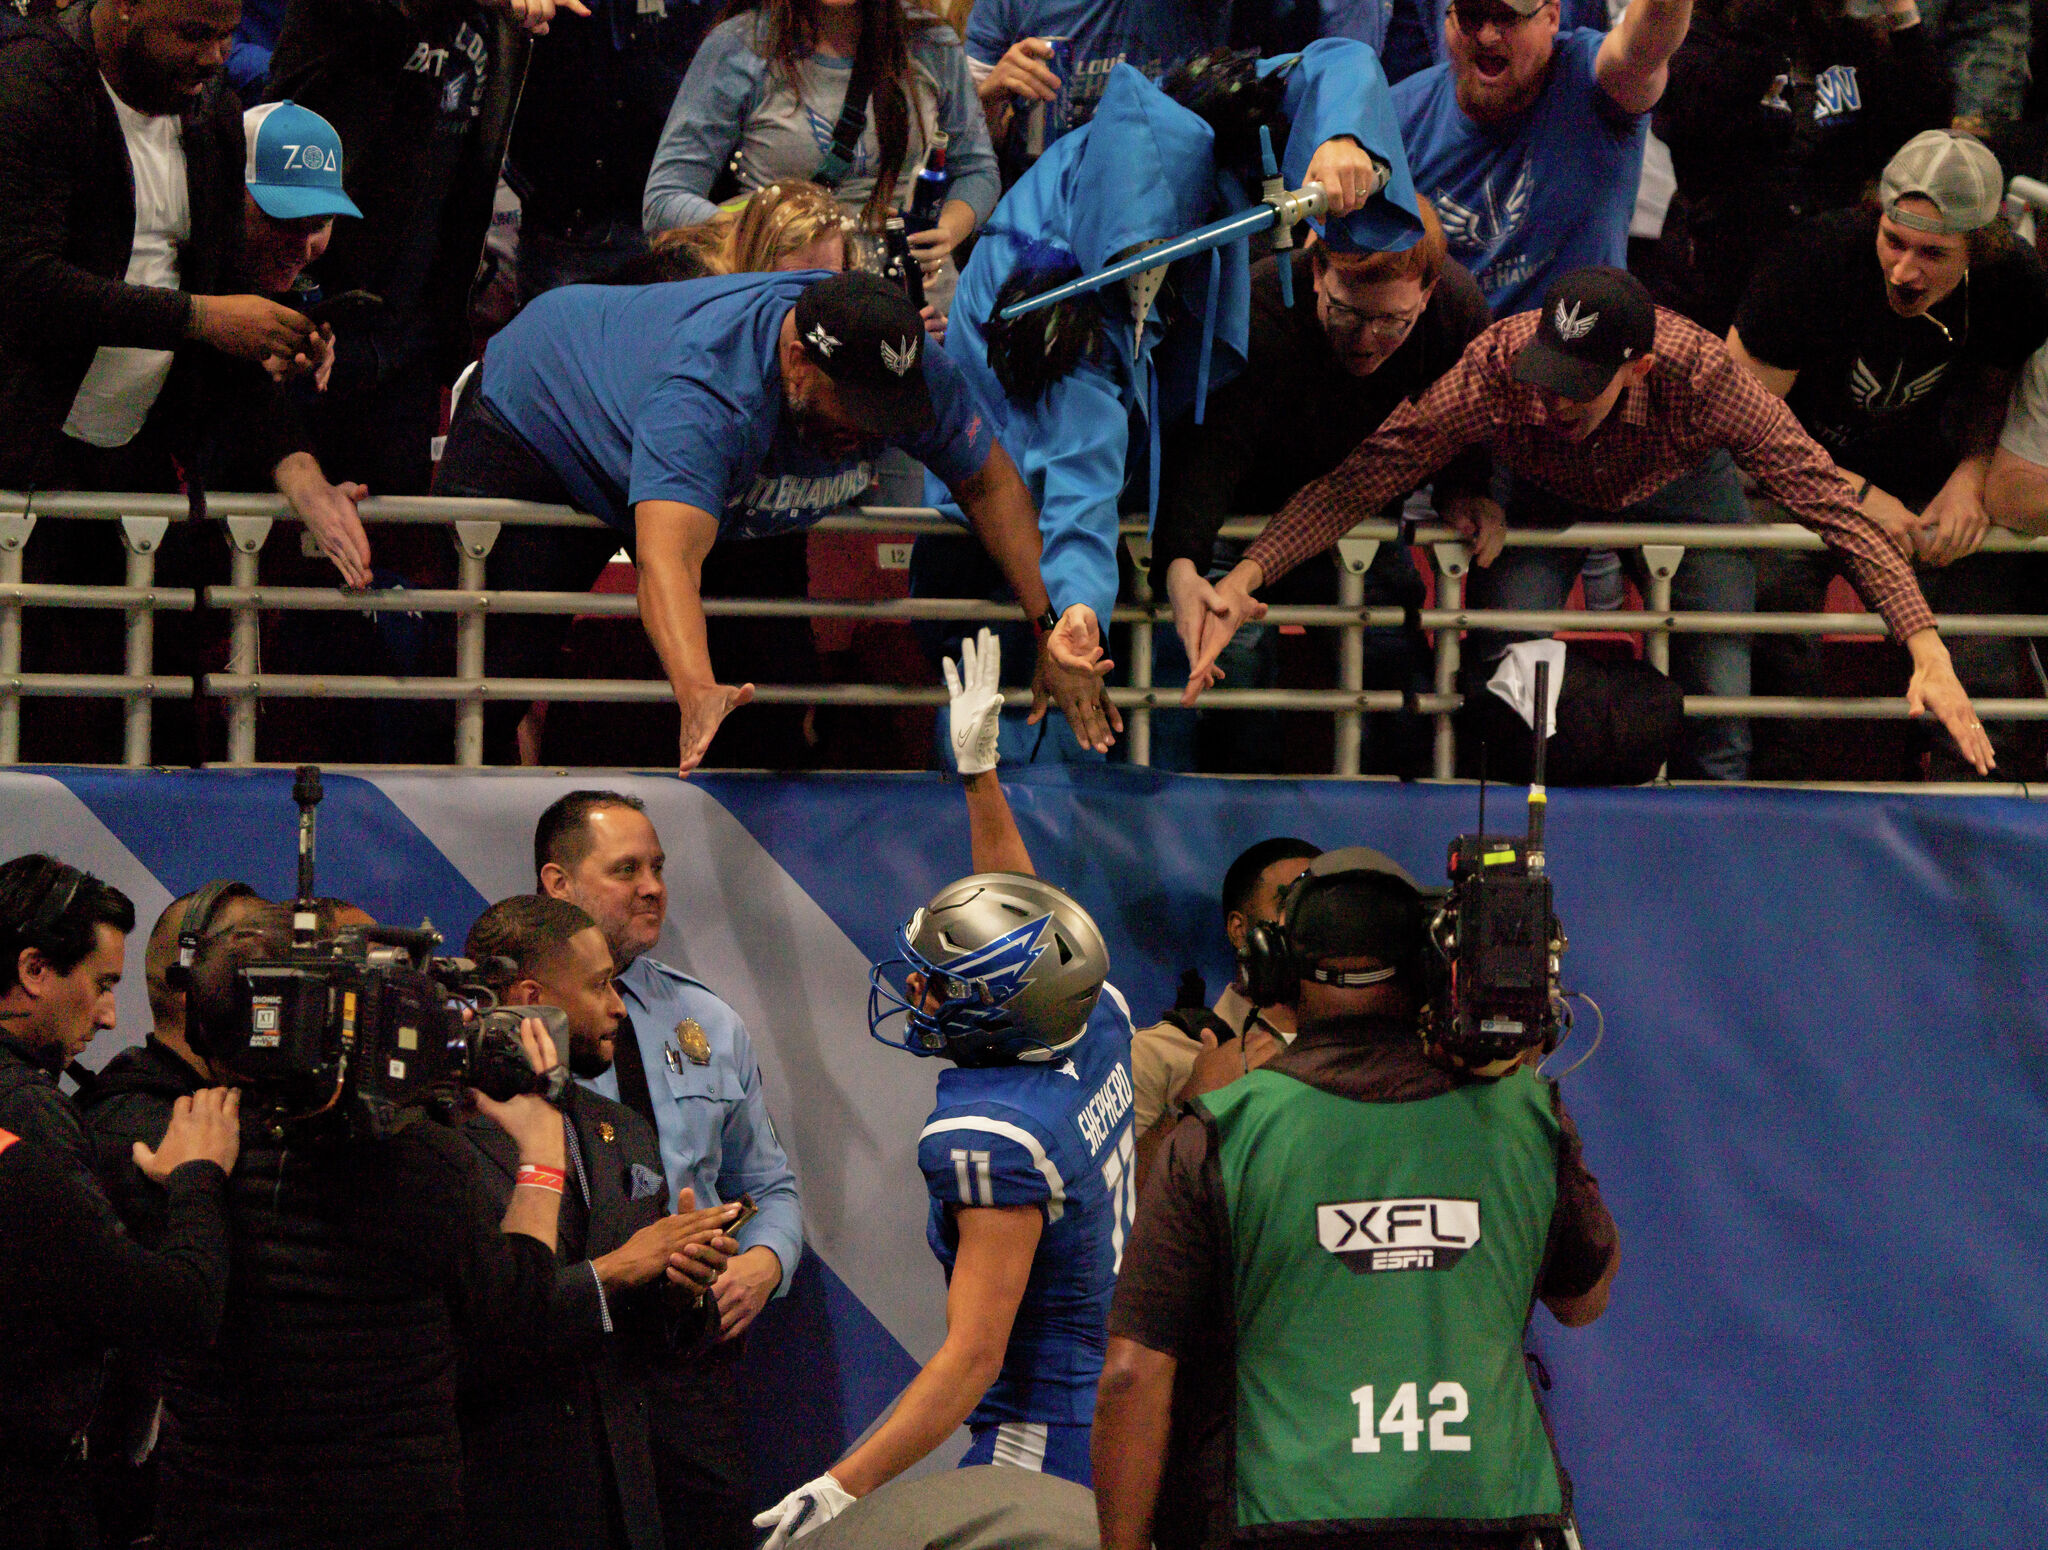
(974, 720)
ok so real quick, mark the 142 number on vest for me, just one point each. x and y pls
(1403, 1418)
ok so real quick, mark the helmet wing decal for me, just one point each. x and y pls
(1004, 965)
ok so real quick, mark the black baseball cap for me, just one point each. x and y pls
(864, 334)
(1355, 903)
(1593, 323)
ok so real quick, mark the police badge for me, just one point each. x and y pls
(690, 1035)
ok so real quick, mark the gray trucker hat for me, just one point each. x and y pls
(1957, 174)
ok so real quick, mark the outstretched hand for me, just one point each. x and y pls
(974, 718)
(1070, 673)
(704, 707)
(1935, 690)
(1228, 606)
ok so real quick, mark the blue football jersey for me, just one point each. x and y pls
(1059, 1136)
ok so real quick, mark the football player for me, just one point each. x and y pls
(1028, 1155)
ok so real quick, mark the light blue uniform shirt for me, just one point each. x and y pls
(716, 1136)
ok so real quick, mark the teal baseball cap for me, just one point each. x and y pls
(292, 165)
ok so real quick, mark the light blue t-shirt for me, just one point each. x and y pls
(673, 392)
(1524, 202)
(1152, 35)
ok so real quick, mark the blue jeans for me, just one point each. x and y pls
(1710, 580)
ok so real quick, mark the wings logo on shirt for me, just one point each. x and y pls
(1875, 397)
(1477, 231)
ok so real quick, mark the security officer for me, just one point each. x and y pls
(69, 1274)
(689, 1068)
(1351, 1184)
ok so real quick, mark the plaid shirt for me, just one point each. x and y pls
(1697, 399)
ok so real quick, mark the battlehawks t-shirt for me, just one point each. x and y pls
(1872, 385)
(674, 393)
(1547, 192)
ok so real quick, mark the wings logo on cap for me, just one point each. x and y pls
(899, 360)
(1570, 325)
(1002, 967)
(821, 341)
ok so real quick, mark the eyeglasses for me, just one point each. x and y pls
(1345, 319)
(1475, 15)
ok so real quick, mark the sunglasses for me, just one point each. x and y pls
(1474, 16)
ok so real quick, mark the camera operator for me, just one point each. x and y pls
(1351, 1184)
(555, 1441)
(136, 1090)
(325, 1413)
(69, 1275)
(132, 1100)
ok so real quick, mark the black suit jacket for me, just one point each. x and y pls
(67, 225)
(548, 1433)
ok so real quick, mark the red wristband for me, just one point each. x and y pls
(535, 1176)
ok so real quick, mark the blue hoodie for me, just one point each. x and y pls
(1141, 170)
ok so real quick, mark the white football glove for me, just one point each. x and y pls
(975, 717)
(804, 1508)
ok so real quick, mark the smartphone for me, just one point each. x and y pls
(347, 312)
(748, 1211)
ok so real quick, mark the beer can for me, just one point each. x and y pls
(1047, 121)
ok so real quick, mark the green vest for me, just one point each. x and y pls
(1385, 1261)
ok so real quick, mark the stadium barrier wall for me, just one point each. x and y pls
(1820, 1113)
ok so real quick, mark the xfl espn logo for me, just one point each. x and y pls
(1422, 1233)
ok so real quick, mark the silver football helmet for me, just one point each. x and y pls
(1012, 969)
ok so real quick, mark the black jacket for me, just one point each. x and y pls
(328, 1401)
(71, 1279)
(67, 225)
(549, 1431)
(1293, 414)
(379, 71)
(1768, 127)
(596, 101)
(132, 1101)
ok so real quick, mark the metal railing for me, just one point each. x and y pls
(143, 521)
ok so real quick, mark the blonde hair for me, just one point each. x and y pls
(776, 221)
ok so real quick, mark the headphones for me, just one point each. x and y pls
(58, 894)
(192, 926)
(1271, 963)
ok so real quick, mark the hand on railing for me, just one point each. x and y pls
(1070, 673)
(1483, 523)
(1955, 523)
(329, 512)
(1900, 522)
(704, 706)
(1224, 608)
(1935, 690)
